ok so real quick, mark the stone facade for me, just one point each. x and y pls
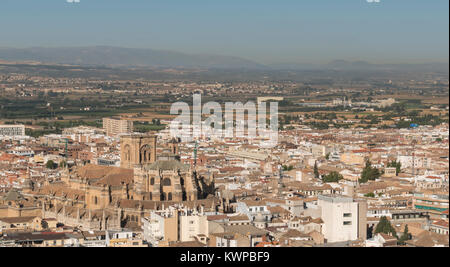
(137, 150)
(104, 197)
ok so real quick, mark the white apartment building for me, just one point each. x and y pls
(419, 161)
(344, 219)
(192, 225)
(174, 224)
(22, 151)
(12, 130)
(252, 209)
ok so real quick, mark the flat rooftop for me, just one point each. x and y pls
(335, 198)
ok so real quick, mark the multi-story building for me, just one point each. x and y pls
(115, 126)
(253, 209)
(122, 239)
(344, 219)
(433, 202)
(175, 224)
(12, 130)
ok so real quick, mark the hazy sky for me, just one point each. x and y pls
(268, 31)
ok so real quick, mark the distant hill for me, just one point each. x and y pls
(366, 66)
(115, 56)
(343, 65)
(132, 57)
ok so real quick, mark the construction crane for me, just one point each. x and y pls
(65, 142)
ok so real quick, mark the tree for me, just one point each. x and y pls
(405, 236)
(288, 168)
(332, 177)
(396, 165)
(385, 227)
(327, 156)
(316, 171)
(371, 194)
(369, 173)
(44, 225)
(156, 121)
(51, 165)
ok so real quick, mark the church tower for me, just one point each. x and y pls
(137, 150)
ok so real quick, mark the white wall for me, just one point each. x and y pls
(334, 229)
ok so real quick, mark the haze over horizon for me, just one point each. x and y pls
(263, 31)
(131, 57)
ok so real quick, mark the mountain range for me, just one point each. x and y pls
(117, 56)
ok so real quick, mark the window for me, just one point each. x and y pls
(166, 182)
(347, 215)
(347, 223)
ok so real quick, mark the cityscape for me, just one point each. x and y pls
(107, 146)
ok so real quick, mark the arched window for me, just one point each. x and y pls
(169, 198)
(145, 154)
(95, 200)
(127, 151)
(167, 182)
(152, 181)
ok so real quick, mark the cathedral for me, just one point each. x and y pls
(160, 177)
(105, 197)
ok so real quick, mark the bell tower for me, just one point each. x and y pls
(173, 145)
(136, 150)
